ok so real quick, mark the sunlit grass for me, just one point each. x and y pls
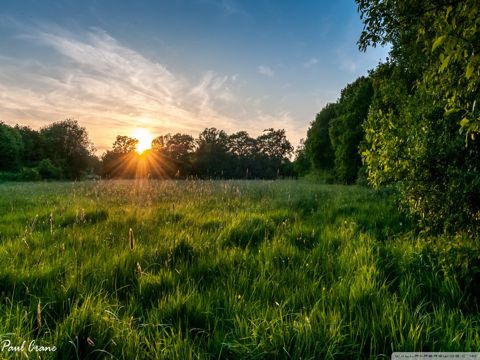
(228, 269)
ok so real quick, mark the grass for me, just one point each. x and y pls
(227, 269)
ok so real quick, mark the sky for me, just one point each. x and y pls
(177, 66)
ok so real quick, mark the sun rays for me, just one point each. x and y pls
(144, 138)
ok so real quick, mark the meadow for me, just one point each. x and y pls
(227, 269)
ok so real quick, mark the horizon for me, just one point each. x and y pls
(177, 67)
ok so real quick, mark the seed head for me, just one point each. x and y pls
(131, 240)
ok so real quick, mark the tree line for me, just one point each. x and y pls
(213, 155)
(413, 122)
(62, 150)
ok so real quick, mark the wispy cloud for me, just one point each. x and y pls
(310, 62)
(111, 89)
(228, 7)
(265, 70)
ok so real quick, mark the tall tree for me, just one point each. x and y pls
(122, 160)
(67, 145)
(318, 148)
(11, 148)
(346, 132)
(33, 146)
(422, 124)
(446, 34)
(211, 156)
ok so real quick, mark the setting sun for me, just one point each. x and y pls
(144, 138)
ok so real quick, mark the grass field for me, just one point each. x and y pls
(227, 269)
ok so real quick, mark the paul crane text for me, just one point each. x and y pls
(32, 347)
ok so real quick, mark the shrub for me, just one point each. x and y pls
(29, 174)
(49, 171)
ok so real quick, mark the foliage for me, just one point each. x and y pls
(446, 34)
(228, 269)
(211, 156)
(11, 148)
(318, 147)
(346, 131)
(67, 145)
(175, 153)
(301, 164)
(29, 174)
(33, 146)
(47, 170)
(334, 138)
(423, 107)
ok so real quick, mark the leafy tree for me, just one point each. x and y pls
(274, 144)
(67, 145)
(242, 145)
(122, 160)
(33, 146)
(423, 108)
(174, 154)
(318, 148)
(243, 149)
(446, 34)
(346, 131)
(301, 164)
(124, 145)
(11, 148)
(211, 156)
(47, 170)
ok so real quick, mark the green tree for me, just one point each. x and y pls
(301, 164)
(422, 125)
(243, 149)
(173, 154)
(11, 148)
(67, 145)
(318, 148)
(211, 156)
(446, 35)
(33, 147)
(273, 154)
(345, 130)
(122, 160)
(124, 144)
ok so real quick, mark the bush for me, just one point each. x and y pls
(8, 176)
(412, 142)
(49, 171)
(29, 174)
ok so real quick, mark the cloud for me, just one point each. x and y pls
(228, 7)
(106, 85)
(265, 70)
(309, 63)
(112, 89)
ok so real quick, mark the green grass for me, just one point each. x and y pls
(228, 269)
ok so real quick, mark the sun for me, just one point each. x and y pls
(144, 138)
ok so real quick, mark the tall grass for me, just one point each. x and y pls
(227, 269)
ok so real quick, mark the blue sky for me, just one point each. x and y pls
(177, 66)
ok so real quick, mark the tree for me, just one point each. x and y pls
(242, 149)
(301, 164)
(122, 160)
(67, 145)
(273, 154)
(124, 145)
(211, 156)
(11, 148)
(345, 130)
(174, 154)
(422, 124)
(446, 34)
(274, 144)
(318, 148)
(33, 146)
